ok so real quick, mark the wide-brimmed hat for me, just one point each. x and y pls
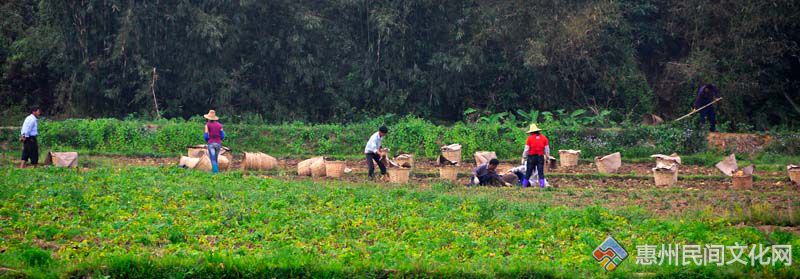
(533, 128)
(212, 115)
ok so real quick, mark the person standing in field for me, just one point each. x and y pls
(373, 150)
(705, 95)
(214, 135)
(537, 150)
(30, 130)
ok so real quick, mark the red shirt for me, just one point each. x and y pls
(536, 144)
(214, 132)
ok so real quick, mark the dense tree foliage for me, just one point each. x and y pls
(341, 60)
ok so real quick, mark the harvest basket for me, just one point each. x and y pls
(794, 175)
(335, 168)
(62, 159)
(304, 167)
(609, 163)
(569, 158)
(399, 175)
(448, 173)
(318, 168)
(742, 181)
(205, 163)
(258, 161)
(665, 177)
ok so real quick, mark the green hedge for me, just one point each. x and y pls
(409, 134)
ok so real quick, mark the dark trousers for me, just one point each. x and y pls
(377, 158)
(490, 179)
(30, 150)
(710, 115)
(535, 161)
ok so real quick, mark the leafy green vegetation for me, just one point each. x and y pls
(163, 222)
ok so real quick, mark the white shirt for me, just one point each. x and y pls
(374, 143)
(30, 128)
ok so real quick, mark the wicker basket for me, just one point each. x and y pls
(335, 168)
(448, 173)
(204, 163)
(318, 168)
(399, 175)
(258, 161)
(188, 162)
(742, 182)
(62, 159)
(608, 164)
(304, 167)
(568, 159)
(405, 160)
(794, 175)
(452, 155)
(665, 177)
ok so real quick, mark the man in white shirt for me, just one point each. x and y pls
(372, 151)
(30, 130)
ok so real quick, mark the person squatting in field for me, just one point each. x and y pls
(214, 135)
(517, 174)
(537, 149)
(486, 174)
(373, 151)
(30, 130)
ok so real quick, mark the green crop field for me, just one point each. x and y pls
(142, 222)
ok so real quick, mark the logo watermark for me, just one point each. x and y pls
(610, 254)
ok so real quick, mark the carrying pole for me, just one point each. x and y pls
(696, 110)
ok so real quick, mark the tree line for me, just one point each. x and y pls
(345, 60)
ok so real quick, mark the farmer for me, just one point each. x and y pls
(214, 136)
(537, 148)
(373, 151)
(30, 130)
(486, 174)
(705, 95)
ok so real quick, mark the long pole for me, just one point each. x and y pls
(153, 90)
(696, 110)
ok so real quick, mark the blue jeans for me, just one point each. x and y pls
(213, 154)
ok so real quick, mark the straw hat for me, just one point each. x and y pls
(534, 128)
(212, 115)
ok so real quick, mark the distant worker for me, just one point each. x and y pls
(537, 150)
(214, 135)
(707, 94)
(30, 130)
(373, 151)
(486, 174)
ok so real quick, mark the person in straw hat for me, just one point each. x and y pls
(214, 135)
(537, 151)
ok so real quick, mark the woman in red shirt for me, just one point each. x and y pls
(537, 149)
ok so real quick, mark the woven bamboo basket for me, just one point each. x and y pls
(483, 157)
(742, 181)
(188, 162)
(405, 160)
(794, 175)
(204, 163)
(399, 175)
(62, 159)
(304, 167)
(452, 155)
(335, 168)
(665, 177)
(568, 159)
(258, 161)
(608, 164)
(318, 168)
(448, 173)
